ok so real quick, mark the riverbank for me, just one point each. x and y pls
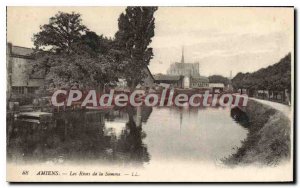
(268, 141)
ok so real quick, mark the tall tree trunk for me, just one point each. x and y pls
(130, 111)
(133, 85)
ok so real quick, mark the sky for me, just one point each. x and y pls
(221, 39)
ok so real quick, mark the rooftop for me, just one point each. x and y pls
(199, 78)
(22, 51)
(166, 77)
(220, 85)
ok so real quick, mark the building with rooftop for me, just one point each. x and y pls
(183, 69)
(189, 72)
(20, 82)
(173, 81)
(217, 87)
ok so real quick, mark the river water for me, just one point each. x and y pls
(151, 136)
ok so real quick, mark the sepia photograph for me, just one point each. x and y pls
(150, 94)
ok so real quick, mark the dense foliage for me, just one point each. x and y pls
(67, 53)
(136, 29)
(60, 34)
(218, 79)
(274, 77)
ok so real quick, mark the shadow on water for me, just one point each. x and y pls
(108, 137)
(240, 117)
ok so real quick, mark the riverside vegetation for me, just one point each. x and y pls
(268, 140)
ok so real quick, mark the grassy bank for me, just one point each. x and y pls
(268, 140)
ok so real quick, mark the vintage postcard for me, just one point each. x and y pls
(150, 94)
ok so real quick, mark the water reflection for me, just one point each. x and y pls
(240, 117)
(81, 137)
(127, 136)
(192, 134)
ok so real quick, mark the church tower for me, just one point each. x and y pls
(182, 55)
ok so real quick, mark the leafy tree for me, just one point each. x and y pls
(136, 29)
(62, 31)
(97, 44)
(81, 67)
(218, 79)
(68, 54)
(274, 77)
(237, 81)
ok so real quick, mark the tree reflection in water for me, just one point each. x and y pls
(82, 137)
(240, 117)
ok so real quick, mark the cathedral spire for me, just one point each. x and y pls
(182, 56)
